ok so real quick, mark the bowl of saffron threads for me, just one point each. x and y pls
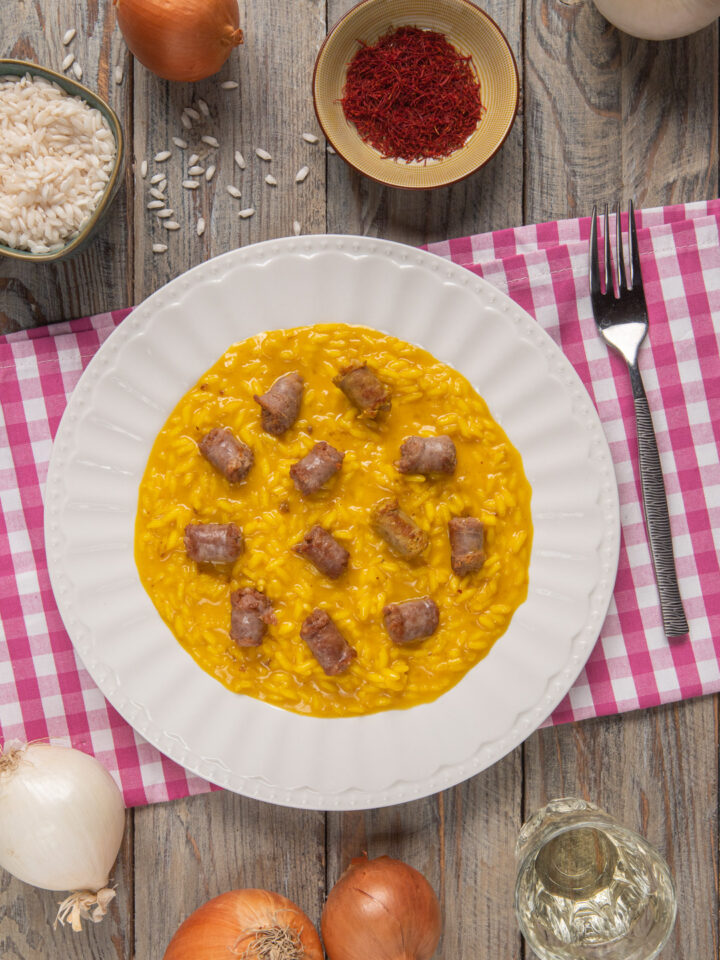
(416, 94)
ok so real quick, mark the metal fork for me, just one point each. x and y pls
(622, 320)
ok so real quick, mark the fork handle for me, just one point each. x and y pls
(657, 520)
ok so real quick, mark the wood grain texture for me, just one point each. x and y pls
(271, 109)
(191, 850)
(99, 278)
(608, 117)
(488, 200)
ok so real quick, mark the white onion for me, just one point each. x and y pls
(659, 19)
(61, 824)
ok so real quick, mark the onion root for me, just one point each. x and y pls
(84, 905)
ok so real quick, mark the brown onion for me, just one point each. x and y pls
(253, 924)
(180, 39)
(381, 909)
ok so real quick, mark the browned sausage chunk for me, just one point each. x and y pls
(398, 530)
(411, 620)
(467, 536)
(364, 389)
(213, 542)
(327, 644)
(316, 468)
(427, 455)
(281, 404)
(251, 613)
(227, 454)
(322, 549)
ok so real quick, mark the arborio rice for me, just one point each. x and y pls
(56, 156)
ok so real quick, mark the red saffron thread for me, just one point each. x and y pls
(411, 95)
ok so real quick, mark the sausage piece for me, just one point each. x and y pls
(251, 612)
(364, 389)
(281, 404)
(467, 537)
(398, 530)
(316, 468)
(327, 644)
(213, 542)
(411, 620)
(427, 455)
(226, 453)
(322, 549)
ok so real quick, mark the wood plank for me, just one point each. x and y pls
(271, 109)
(27, 915)
(656, 772)
(488, 200)
(99, 278)
(609, 117)
(191, 850)
(463, 841)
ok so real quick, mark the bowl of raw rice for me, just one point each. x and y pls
(61, 160)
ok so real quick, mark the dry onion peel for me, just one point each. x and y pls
(62, 819)
(248, 924)
(184, 40)
(381, 909)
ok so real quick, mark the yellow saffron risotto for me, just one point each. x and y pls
(428, 398)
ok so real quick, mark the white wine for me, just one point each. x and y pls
(589, 889)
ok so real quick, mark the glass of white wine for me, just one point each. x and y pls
(590, 889)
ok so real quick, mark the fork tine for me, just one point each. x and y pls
(622, 278)
(635, 273)
(609, 287)
(594, 262)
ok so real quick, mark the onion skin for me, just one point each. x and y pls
(183, 40)
(217, 930)
(381, 909)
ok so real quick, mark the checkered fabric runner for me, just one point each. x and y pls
(45, 691)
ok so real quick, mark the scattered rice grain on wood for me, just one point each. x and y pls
(310, 138)
(210, 141)
(229, 85)
(68, 61)
(190, 184)
(158, 194)
(143, 169)
(301, 174)
(162, 156)
(77, 70)
(209, 173)
(200, 228)
(263, 154)
(247, 212)
(179, 142)
(69, 36)
(171, 225)
(270, 180)
(240, 160)
(233, 191)
(196, 171)
(155, 205)
(192, 113)
(204, 108)
(119, 74)
(159, 248)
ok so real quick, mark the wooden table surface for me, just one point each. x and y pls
(602, 116)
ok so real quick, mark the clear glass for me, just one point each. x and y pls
(589, 889)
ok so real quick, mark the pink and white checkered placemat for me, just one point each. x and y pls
(44, 690)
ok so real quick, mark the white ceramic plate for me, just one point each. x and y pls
(99, 457)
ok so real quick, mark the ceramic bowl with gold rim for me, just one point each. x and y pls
(79, 240)
(472, 32)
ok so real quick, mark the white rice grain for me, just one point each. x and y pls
(331, 150)
(56, 158)
(186, 121)
(203, 107)
(77, 70)
(179, 142)
(209, 173)
(143, 169)
(162, 156)
(247, 212)
(68, 61)
(200, 228)
(155, 205)
(159, 248)
(196, 171)
(192, 113)
(156, 178)
(118, 74)
(164, 214)
(158, 194)
(229, 85)
(233, 191)
(301, 174)
(171, 225)
(210, 141)
(240, 160)
(190, 184)
(69, 36)
(310, 138)
(193, 159)
(270, 180)
(263, 154)
(297, 229)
